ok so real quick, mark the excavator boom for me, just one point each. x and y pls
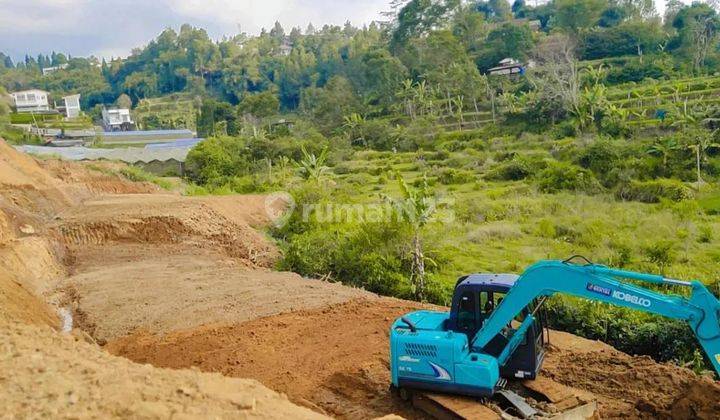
(596, 282)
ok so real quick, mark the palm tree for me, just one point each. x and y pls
(415, 207)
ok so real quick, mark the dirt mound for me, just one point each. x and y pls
(18, 304)
(164, 291)
(46, 374)
(162, 219)
(629, 386)
(25, 184)
(336, 359)
(95, 177)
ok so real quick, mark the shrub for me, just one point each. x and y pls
(448, 176)
(559, 176)
(660, 253)
(461, 136)
(662, 339)
(135, 174)
(513, 170)
(654, 191)
(634, 72)
(216, 159)
(599, 157)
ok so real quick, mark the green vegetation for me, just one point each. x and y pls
(410, 165)
(133, 173)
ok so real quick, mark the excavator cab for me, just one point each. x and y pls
(475, 298)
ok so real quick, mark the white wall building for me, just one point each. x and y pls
(117, 119)
(70, 105)
(34, 100)
(48, 70)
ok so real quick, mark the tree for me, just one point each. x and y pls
(123, 101)
(559, 83)
(217, 118)
(576, 16)
(507, 41)
(260, 105)
(415, 207)
(140, 85)
(636, 37)
(495, 10)
(698, 26)
(383, 74)
(330, 104)
(418, 17)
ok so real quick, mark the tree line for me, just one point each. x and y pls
(436, 49)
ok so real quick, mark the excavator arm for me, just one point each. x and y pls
(599, 283)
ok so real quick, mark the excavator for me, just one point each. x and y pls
(495, 330)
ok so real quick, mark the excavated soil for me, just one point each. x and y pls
(174, 289)
(336, 359)
(44, 374)
(333, 359)
(165, 219)
(47, 373)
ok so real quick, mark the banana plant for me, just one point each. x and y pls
(510, 101)
(596, 74)
(663, 148)
(312, 167)
(684, 116)
(701, 145)
(416, 207)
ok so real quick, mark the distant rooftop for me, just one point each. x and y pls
(146, 133)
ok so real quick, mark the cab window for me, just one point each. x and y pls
(467, 319)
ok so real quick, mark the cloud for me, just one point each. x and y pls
(114, 27)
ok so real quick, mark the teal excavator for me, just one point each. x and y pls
(495, 331)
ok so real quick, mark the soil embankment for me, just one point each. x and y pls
(48, 373)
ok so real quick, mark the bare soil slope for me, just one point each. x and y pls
(45, 373)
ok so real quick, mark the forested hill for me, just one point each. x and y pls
(334, 71)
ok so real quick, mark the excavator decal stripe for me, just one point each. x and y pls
(440, 372)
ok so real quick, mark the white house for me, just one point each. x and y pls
(70, 106)
(33, 100)
(48, 70)
(507, 66)
(117, 119)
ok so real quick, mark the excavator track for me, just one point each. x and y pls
(558, 403)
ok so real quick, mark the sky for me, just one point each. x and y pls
(106, 28)
(112, 28)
